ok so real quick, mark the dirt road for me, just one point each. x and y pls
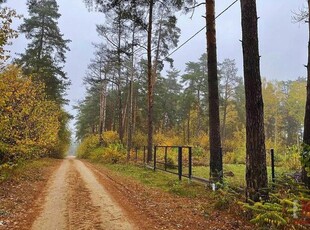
(76, 200)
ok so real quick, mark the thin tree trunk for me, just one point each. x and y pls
(224, 116)
(216, 164)
(120, 128)
(120, 113)
(188, 127)
(130, 114)
(135, 106)
(306, 137)
(256, 172)
(130, 119)
(102, 114)
(198, 114)
(150, 84)
(125, 112)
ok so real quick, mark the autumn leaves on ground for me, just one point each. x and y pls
(73, 194)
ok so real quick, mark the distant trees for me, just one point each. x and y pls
(178, 100)
(139, 35)
(195, 80)
(256, 170)
(229, 82)
(153, 20)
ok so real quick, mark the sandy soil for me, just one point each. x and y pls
(19, 195)
(74, 194)
(76, 200)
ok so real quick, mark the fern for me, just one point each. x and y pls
(281, 209)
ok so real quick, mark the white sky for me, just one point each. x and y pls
(283, 44)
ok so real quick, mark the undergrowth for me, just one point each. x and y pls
(285, 209)
(23, 168)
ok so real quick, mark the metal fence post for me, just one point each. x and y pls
(154, 158)
(165, 158)
(272, 165)
(190, 163)
(180, 162)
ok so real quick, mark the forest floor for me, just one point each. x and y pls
(73, 194)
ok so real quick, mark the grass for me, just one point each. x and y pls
(170, 183)
(238, 180)
(164, 181)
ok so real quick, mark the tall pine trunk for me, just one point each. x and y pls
(150, 85)
(306, 137)
(256, 172)
(216, 164)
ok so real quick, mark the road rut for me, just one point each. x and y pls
(76, 200)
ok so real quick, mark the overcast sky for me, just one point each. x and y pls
(283, 44)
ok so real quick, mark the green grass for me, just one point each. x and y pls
(170, 183)
(238, 180)
(164, 181)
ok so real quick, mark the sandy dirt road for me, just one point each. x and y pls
(76, 200)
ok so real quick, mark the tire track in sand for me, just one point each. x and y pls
(54, 214)
(76, 200)
(82, 213)
(112, 216)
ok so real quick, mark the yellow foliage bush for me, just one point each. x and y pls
(168, 139)
(159, 139)
(139, 140)
(113, 153)
(203, 141)
(29, 123)
(87, 145)
(110, 137)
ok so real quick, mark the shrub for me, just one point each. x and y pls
(235, 157)
(204, 141)
(159, 139)
(305, 158)
(201, 156)
(110, 137)
(87, 145)
(139, 140)
(30, 125)
(291, 159)
(114, 153)
(283, 209)
(171, 163)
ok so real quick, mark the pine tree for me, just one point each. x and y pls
(159, 28)
(306, 137)
(216, 162)
(45, 54)
(256, 170)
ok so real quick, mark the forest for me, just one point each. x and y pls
(136, 99)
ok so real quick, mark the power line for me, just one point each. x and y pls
(220, 14)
